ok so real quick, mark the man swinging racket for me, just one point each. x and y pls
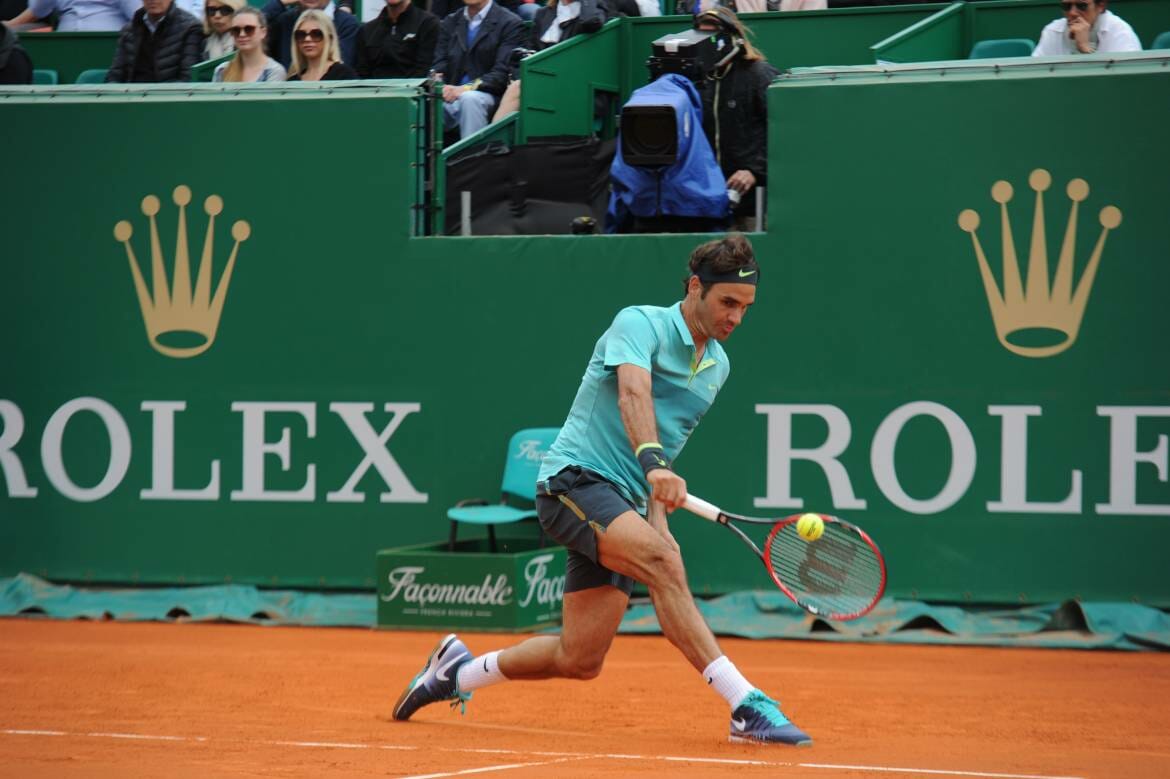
(652, 376)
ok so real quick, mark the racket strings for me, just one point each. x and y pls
(838, 575)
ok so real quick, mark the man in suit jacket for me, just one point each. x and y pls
(472, 59)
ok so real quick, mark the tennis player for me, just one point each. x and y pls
(652, 376)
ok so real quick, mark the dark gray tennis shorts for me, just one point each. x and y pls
(573, 508)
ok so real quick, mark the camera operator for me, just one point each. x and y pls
(558, 21)
(735, 111)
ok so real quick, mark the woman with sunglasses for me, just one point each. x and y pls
(250, 31)
(316, 54)
(217, 26)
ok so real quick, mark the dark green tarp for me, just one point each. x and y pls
(757, 614)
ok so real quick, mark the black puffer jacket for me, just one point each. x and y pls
(735, 117)
(165, 55)
(15, 66)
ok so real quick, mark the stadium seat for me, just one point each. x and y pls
(996, 48)
(525, 451)
(44, 77)
(92, 76)
(1162, 41)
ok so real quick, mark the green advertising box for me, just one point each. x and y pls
(426, 586)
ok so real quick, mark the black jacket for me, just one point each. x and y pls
(593, 16)
(402, 49)
(338, 71)
(15, 65)
(282, 18)
(165, 55)
(487, 59)
(735, 117)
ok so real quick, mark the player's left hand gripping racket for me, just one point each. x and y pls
(839, 576)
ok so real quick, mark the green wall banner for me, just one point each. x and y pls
(240, 365)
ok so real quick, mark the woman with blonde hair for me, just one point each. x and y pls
(217, 26)
(316, 53)
(250, 31)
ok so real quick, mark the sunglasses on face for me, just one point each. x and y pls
(313, 35)
(1080, 6)
(219, 10)
(243, 29)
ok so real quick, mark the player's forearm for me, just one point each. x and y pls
(636, 404)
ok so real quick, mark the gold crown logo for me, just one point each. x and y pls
(185, 318)
(1035, 310)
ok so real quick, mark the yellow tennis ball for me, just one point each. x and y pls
(810, 527)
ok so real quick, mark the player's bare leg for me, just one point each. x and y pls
(633, 548)
(590, 621)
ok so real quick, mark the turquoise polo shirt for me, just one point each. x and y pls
(658, 340)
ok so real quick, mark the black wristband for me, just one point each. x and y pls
(652, 457)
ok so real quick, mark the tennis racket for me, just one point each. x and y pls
(839, 576)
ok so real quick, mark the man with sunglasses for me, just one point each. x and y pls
(1087, 27)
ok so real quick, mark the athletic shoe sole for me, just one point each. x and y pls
(438, 650)
(763, 742)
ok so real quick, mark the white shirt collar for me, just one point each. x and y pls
(479, 16)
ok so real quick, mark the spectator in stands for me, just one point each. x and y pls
(249, 28)
(15, 65)
(735, 111)
(317, 56)
(160, 43)
(79, 15)
(558, 21)
(562, 19)
(758, 6)
(10, 9)
(1088, 27)
(217, 26)
(444, 8)
(473, 59)
(399, 43)
(282, 18)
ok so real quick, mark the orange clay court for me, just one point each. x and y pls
(110, 699)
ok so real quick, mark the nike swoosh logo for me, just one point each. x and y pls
(744, 274)
(485, 670)
(740, 724)
(441, 674)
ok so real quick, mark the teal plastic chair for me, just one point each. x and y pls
(997, 48)
(1162, 41)
(92, 76)
(526, 449)
(44, 77)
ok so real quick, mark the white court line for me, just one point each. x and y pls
(559, 757)
(942, 771)
(318, 744)
(485, 769)
(144, 737)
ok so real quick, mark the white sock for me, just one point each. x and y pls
(480, 672)
(726, 680)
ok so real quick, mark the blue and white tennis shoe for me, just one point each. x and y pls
(758, 720)
(437, 681)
